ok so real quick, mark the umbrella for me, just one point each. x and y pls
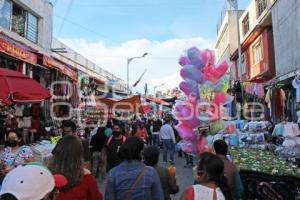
(20, 88)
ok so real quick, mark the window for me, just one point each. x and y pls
(261, 6)
(18, 20)
(246, 24)
(32, 27)
(5, 13)
(243, 64)
(257, 52)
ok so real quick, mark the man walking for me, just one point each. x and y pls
(155, 132)
(112, 147)
(167, 137)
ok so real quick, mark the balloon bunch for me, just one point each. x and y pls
(204, 85)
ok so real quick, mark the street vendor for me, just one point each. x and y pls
(14, 153)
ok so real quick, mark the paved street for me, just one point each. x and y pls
(184, 176)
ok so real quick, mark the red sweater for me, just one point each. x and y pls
(86, 190)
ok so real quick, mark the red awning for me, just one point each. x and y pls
(63, 68)
(158, 101)
(20, 88)
(132, 103)
(146, 108)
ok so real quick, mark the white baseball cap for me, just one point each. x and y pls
(28, 182)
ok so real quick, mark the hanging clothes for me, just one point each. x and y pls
(268, 100)
(258, 89)
(280, 99)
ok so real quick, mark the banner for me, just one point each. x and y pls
(17, 52)
(50, 62)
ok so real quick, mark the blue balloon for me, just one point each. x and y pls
(194, 55)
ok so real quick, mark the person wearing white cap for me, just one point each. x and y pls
(30, 182)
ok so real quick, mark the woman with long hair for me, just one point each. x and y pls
(212, 183)
(68, 160)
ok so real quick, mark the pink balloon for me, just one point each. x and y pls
(207, 57)
(214, 74)
(220, 98)
(185, 132)
(189, 87)
(193, 98)
(186, 112)
(184, 61)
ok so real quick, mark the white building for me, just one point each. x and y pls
(227, 41)
(28, 21)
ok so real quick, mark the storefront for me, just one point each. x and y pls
(63, 84)
(16, 56)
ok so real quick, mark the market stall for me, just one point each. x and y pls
(20, 98)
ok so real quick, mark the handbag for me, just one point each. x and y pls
(137, 180)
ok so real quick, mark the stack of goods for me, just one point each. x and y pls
(253, 134)
(42, 151)
(290, 132)
(230, 133)
(262, 161)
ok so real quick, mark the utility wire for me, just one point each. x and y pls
(65, 17)
(85, 28)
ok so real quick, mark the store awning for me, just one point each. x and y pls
(63, 68)
(132, 104)
(158, 101)
(20, 88)
(16, 52)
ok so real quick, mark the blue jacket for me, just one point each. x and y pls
(121, 177)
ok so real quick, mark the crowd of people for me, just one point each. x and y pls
(126, 155)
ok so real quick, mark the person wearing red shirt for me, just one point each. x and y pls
(68, 160)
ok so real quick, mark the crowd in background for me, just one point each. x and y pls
(126, 155)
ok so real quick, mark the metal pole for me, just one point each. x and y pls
(239, 49)
(128, 61)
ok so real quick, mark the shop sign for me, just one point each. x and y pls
(50, 62)
(17, 52)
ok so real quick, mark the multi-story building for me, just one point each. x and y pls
(256, 32)
(28, 21)
(25, 31)
(257, 59)
(27, 45)
(226, 42)
(286, 27)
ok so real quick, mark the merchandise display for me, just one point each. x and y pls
(262, 161)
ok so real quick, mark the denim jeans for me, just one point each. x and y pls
(168, 145)
(189, 159)
(155, 139)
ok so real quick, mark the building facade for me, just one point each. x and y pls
(28, 21)
(257, 43)
(227, 41)
(286, 26)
